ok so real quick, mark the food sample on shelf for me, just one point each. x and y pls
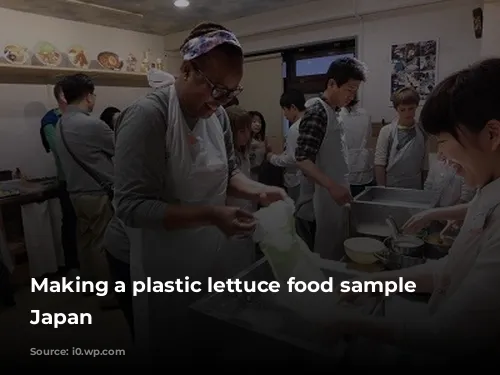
(131, 63)
(48, 54)
(16, 54)
(77, 57)
(110, 60)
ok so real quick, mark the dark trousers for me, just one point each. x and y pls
(120, 271)
(68, 228)
(306, 230)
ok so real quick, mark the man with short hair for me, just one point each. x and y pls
(292, 103)
(401, 154)
(321, 154)
(299, 188)
(85, 145)
(68, 227)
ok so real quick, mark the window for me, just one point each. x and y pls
(316, 65)
(305, 67)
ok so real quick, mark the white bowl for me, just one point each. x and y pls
(363, 250)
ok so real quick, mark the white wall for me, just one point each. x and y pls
(22, 106)
(490, 43)
(381, 24)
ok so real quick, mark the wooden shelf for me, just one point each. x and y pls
(41, 75)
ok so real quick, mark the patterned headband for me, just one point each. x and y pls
(203, 44)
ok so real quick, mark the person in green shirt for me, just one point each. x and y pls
(48, 135)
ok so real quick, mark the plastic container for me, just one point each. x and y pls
(363, 250)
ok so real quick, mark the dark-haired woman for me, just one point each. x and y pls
(262, 170)
(175, 165)
(259, 147)
(463, 318)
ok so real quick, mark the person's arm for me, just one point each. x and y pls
(312, 130)
(457, 212)
(467, 320)
(49, 131)
(240, 186)
(140, 174)
(287, 158)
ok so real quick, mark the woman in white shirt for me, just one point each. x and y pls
(358, 130)
(463, 321)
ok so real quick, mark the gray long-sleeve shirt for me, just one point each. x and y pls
(141, 194)
(92, 142)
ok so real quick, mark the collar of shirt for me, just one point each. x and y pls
(487, 198)
(336, 109)
(75, 109)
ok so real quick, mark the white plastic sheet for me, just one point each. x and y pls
(290, 257)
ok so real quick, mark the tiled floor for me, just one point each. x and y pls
(18, 336)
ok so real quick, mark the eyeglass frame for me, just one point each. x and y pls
(220, 93)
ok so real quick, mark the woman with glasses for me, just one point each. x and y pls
(175, 165)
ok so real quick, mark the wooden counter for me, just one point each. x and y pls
(31, 192)
(10, 212)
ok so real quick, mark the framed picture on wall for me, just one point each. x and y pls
(414, 64)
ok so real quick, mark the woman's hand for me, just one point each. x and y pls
(233, 221)
(418, 222)
(271, 194)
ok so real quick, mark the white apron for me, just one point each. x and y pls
(332, 160)
(197, 174)
(404, 169)
(238, 252)
(357, 129)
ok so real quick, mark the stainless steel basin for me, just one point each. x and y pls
(261, 313)
(370, 209)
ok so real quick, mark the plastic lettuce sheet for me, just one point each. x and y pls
(289, 257)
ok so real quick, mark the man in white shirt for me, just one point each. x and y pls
(293, 104)
(299, 187)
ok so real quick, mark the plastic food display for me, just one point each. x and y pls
(16, 54)
(48, 54)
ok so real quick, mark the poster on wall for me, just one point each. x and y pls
(414, 64)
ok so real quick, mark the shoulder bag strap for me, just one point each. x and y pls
(105, 186)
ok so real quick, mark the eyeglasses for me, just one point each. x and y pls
(220, 93)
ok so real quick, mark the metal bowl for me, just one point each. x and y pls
(393, 261)
(410, 246)
(434, 249)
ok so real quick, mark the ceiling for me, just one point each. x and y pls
(159, 17)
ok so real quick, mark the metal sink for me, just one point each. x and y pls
(260, 313)
(370, 209)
